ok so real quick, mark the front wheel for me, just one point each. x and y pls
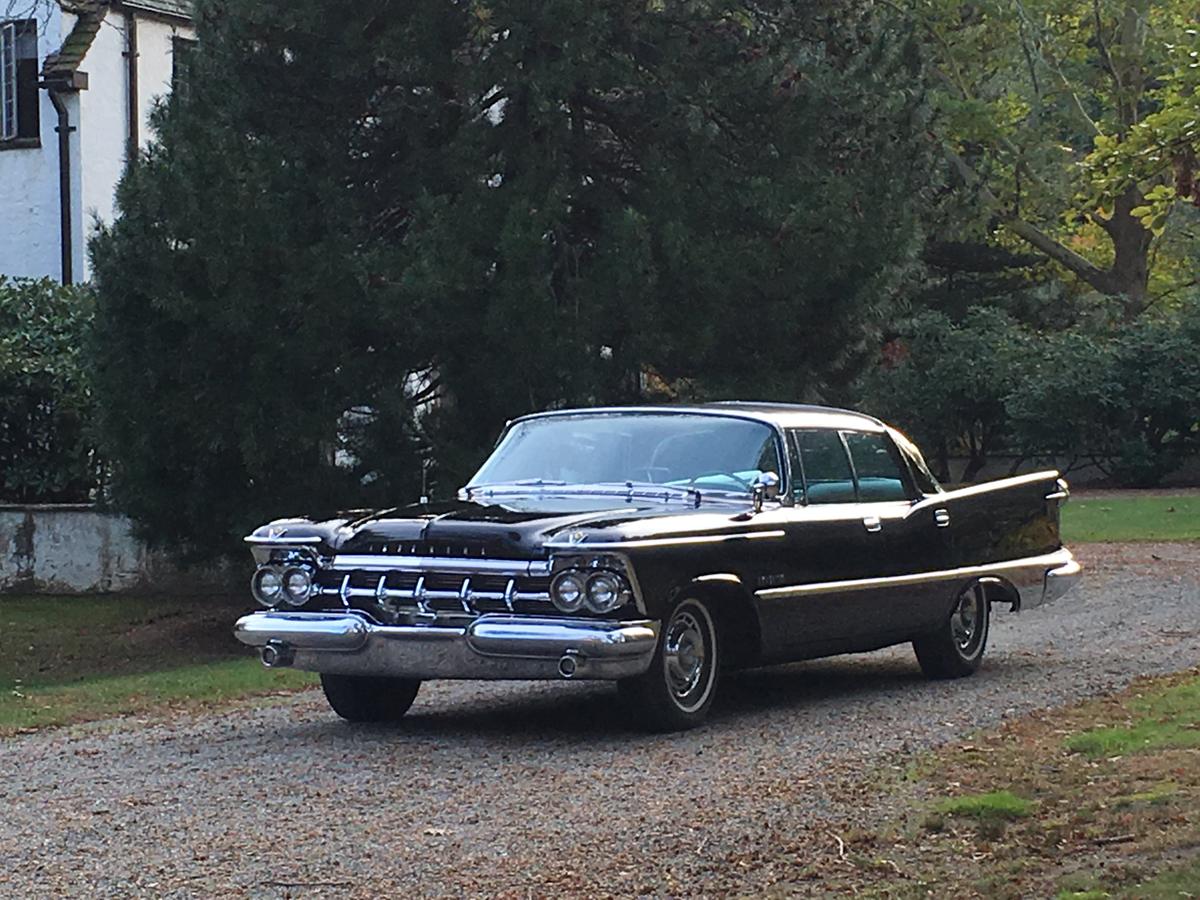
(675, 693)
(955, 649)
(361, 698)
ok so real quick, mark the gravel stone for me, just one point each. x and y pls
(537, 789)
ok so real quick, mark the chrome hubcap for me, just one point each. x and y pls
(967, 621)
(684, 652)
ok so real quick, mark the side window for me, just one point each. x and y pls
(926, 483)
(19, 97)
(828, 477)
(878, 467)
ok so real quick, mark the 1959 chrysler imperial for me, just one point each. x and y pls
(657, 547)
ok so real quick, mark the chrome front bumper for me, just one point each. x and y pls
(492, 646)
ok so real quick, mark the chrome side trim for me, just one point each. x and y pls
(1027, 572)
(723, 577)
(381, 562)
(586, 546)
(281, 541)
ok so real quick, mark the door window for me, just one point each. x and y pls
(878, 467)
(828, 477)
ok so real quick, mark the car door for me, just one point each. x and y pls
(828, 544)
(914, 541)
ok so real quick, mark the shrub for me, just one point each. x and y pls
(46, 409)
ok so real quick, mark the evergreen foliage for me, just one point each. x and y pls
(47, 445)
(501, 208)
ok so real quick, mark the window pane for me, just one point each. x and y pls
(8, 80)
(879, 474)
(713, 453)
(827, 472)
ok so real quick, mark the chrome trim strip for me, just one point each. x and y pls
(281, 541)
(1054, 560)
(585, 546)
(381, 562)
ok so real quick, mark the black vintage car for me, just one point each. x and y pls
(657, 547)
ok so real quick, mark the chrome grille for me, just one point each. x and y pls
(421, 588)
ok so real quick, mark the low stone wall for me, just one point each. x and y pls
(60, 549)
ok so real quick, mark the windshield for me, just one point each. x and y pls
(713, 453)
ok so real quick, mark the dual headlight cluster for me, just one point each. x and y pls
(272, 585)
(600, 590)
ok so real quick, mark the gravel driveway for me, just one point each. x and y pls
(540, 789)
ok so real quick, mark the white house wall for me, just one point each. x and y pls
(29, 221)
(156, 54)
(102, 130)
(29, 196)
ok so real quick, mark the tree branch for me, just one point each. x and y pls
(1098, 278)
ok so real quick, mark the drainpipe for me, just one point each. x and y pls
(64, 130)
(58, 86)
(131, 83)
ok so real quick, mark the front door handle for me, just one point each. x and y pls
(872, 524)
(941, 518)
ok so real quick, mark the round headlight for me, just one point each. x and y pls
(605, 592)
(568, 591)
(267, 586)
(297, 585)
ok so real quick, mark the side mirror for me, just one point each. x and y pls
(766, 487)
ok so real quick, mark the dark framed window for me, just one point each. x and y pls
(19, 100)
(823, 467)
(878, 469)
(847, 467)
(182, 51)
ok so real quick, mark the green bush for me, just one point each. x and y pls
(1127, 401)
(46, 408)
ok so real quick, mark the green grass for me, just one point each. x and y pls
(994, 806)
(1155, 518)
(74, 659)
(192, 686)
(1165, 719)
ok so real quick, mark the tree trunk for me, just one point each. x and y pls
(1130, 272)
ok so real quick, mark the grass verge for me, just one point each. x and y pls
(1054, 805)
(1156, 518)
(65, 660)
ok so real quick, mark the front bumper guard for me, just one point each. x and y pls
(491, 647)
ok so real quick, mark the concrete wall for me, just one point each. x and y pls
(78, 550)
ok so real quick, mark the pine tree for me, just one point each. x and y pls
(506, 206)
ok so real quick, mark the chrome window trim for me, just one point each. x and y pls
(1040, 564)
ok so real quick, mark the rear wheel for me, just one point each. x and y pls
(955, 649)
(360, 698)
(677, 690)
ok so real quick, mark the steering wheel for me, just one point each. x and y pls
(742, 481)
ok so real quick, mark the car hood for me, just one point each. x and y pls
(518, 527)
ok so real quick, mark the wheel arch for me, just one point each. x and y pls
(1000, 590)
(732, 606)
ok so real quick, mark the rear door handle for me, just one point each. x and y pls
(941, 518)
(872, 524)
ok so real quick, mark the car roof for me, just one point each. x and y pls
(781, 415)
